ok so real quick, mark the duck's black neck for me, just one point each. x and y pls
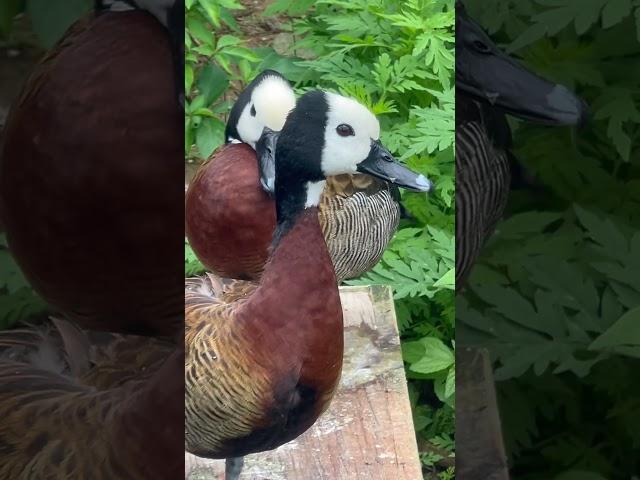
(293, 196)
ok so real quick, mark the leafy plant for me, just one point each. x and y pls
(17, 299)
(212, 61)
(49, 18)
(396, 58)
(192, 265)
(556, 296)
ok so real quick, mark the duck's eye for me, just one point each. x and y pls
(253, 110)
(345, 130)
(481, 47)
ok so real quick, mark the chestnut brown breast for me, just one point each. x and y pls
(229, 218)
(90, 168)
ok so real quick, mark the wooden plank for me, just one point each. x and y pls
(367, 433)
(479, 446)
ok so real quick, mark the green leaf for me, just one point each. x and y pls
(276, 7)
(209, 136)
(51, 18)
(197, 28)
(227, 41)
(450, 384)
(188, 78)
(212, 9)
(437, 356)
(625, 331)
(212, 82)
(615, 11)
(8, 11)
(448, 280)
(241, 52)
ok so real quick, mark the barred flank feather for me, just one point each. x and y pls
(482, 189)
(359, 216)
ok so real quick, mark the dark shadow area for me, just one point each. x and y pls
(550, 296)
(91, 234)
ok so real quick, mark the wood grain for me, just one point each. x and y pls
(367, 433)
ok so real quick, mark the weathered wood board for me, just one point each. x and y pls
(367, 433)
(480, 450)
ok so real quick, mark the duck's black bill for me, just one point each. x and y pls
(381, 164)
(266, 153)
(487, 74)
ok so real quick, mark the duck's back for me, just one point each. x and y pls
(482, 179)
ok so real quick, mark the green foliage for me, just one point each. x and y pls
(17, 299)
(396, 58)
(212, 61)
(192, 265)
(556, 296)
(217, 64)
(49, 18)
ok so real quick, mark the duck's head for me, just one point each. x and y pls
(264, 103)
(327, 134)
(256, 118)
(487, 74)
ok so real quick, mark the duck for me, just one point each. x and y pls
(263, 358)
(76, 404)
(89, 197)
(230, 212)
(489, 86)
(170, 13)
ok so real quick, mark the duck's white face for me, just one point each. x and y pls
(349, 133)
(271, 102)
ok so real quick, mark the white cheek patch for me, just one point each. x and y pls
(343, 154)
(249, 129)
(273, 100)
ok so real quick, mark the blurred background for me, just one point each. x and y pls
(27, 29)
(555, 297)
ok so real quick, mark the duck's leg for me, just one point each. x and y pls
(233, 467)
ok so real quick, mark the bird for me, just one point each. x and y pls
(230, 212)
(263, 359)
(76, 404)
(490, 85)
(89, 163)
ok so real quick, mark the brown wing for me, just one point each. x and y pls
(225, 388)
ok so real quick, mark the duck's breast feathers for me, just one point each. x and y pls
(229, 218)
